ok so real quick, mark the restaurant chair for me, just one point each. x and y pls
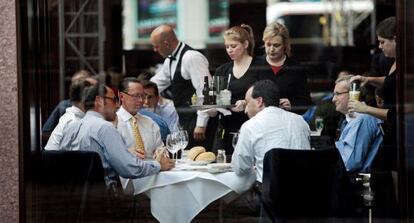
(71, 187)
(305, 184)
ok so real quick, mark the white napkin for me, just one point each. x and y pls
(223, 111)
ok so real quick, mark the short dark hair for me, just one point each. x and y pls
(387, 28)
(90, 93)
(144, 76)
(268, 91)
(76, 89)
(125, 82)
(150, 84)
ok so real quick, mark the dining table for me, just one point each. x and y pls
(178, 195)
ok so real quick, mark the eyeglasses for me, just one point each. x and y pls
(113, 99)
(336, 94)
(148, 96)
(137, 96)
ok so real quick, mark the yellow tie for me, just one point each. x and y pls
(137, 135)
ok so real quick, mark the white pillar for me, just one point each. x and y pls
(130, 18)
(192, 22)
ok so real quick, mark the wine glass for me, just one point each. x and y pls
(234, 139)
(319, 124)
(183, 136)
(172, 143)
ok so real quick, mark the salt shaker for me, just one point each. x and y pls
(221, 156)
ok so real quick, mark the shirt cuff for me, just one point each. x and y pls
(202, 119)
(156, 166)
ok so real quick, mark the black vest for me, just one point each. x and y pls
(182, 89)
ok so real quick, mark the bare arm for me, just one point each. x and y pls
(357, 106)
(374, 81)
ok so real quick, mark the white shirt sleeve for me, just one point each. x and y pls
(202, 119)
(194, 66)
(242, 160)
(162, 77)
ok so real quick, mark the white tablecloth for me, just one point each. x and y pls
(178, 196)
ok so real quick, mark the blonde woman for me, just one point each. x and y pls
(240, 73)
(288, 75)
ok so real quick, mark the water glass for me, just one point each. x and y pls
(172, 144)
(319, 124)
(183, 140)
(234, 139)
(221, 156)
(225, 97)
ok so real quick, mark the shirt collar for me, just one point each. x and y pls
(123, 114)
(354, 116)
(94, 114)
(76, 111)
(176, 51)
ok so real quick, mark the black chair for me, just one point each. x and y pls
(71, 187)
(305, 184)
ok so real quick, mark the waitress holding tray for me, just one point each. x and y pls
(240, 73)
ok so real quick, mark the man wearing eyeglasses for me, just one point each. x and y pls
(360, 133)
(95, 132)
(139, 131)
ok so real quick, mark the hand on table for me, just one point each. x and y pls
(166, 163)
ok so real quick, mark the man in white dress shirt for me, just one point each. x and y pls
(73, 113)
(131, 94)
(183, 70)
(268, 127)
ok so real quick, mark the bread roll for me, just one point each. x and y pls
(206, 156)
(194, 152)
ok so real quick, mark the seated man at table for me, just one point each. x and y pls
(139, 131)
(360, 135)
(95, 132)
(162, 106)
(268, 127)
(73, 113)
(60, 109)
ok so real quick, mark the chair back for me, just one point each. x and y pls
(71, 186)
(304, 184)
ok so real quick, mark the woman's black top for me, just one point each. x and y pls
(292, 82)
(238, 88)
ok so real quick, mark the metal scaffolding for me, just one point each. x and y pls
(81, 38)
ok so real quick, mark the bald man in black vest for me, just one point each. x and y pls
(183, 70)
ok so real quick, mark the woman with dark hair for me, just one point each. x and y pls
(386, 159)
(386, 38)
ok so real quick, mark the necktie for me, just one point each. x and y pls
(137, 135)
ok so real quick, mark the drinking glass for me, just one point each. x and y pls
(172, 143)
(183, 138)
(234, 139)
(319, 124)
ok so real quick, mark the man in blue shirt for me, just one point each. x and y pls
(96, 133)
(360, 136)
(161, 106)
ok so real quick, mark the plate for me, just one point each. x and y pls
(199, 162)
(219, 167)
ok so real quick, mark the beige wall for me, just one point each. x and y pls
(9, 143)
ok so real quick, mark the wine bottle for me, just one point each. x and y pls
(206, 91)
